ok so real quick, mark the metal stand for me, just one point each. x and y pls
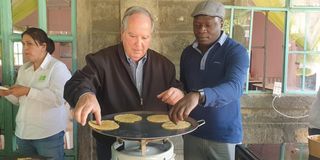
(144, 143)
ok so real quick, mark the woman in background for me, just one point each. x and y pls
(38, 91)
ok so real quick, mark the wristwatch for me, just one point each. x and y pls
(202, 96)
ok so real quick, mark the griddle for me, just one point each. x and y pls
(145, 130)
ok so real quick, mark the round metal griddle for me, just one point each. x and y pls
(145, 129)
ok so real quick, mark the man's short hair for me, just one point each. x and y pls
(133, 10)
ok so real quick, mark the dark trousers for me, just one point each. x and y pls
(313, 131)
(104, 148)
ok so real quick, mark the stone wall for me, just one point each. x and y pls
(262, 124)
(98, 25)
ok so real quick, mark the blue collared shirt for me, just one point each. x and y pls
(195, 45)
(222, 73)
(137, 71)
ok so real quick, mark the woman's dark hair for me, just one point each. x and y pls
(40, 36)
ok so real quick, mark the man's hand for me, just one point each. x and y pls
(171, 96)
(86, 104)
(183, 108)
(18, 90)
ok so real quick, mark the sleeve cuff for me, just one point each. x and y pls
(32, 93)
(86, 94)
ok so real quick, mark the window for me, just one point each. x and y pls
(304, 51)
(17, 53)
(279, 41)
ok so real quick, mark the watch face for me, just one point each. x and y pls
(202, 96)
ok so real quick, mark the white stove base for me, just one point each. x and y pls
(131, 151)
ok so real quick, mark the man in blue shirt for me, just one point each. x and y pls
(213, 69)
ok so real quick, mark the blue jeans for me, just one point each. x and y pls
(51, 147)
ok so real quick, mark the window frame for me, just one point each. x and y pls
(287, 10)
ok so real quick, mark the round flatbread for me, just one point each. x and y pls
(172, 126)
(158, 118)
(127, 118)
(106, 125)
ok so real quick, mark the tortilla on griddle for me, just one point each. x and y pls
(127, 118)
(158, 118)
(172, 126)
(106, 125)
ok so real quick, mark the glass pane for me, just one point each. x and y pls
(241, 28)
(259, 3)
(226, 23)
(63, 52)
(17, 57)
(17, 53)
(309, 3)
(59, 16)
(304, 31)
(303, 72)
(267, 51)
(24, 14)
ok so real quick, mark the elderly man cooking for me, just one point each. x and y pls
(126, 77)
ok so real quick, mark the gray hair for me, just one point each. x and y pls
(133, 10)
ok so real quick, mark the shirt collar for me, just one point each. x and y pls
(44, 63)
(143, 59)
(220, 41)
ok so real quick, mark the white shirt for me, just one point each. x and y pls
(314, 112)
(42, 113)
